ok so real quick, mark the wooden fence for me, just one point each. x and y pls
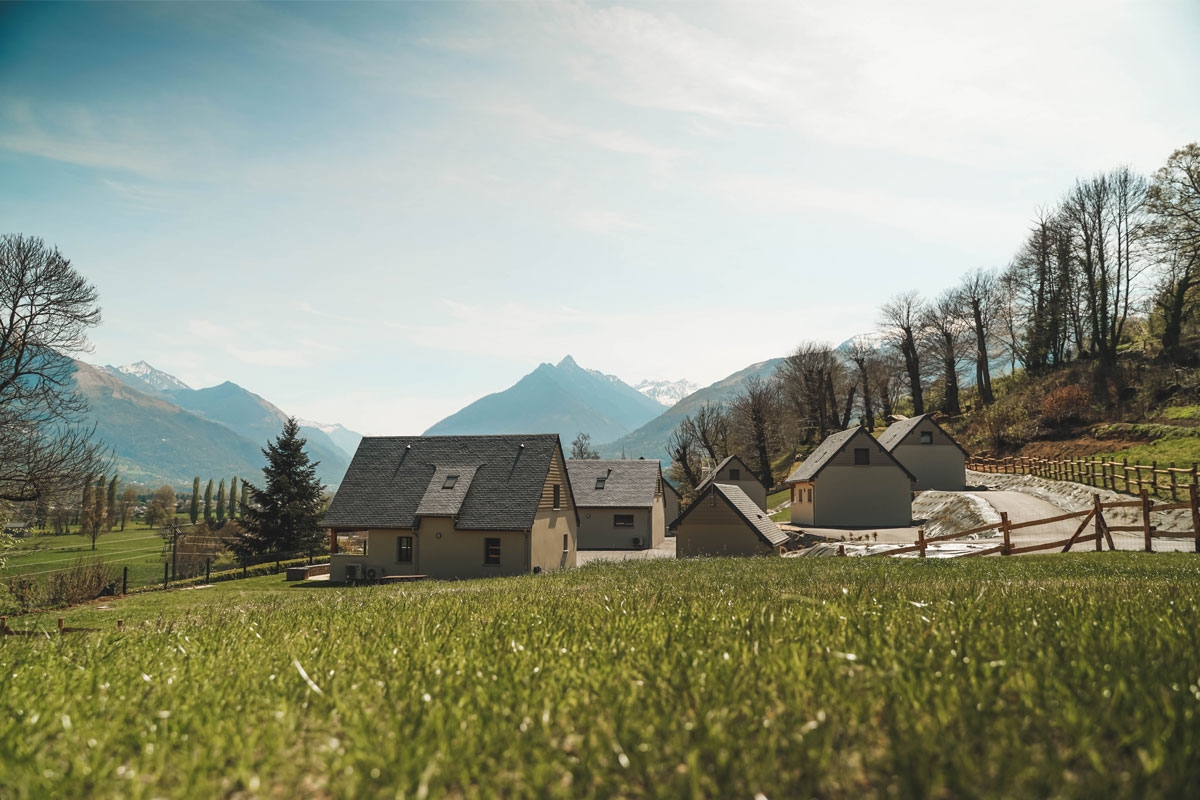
(1094, 517)
(1169, 481)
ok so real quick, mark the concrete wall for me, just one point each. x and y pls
(862, 497)
(715, 529)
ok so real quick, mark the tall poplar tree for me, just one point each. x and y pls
(194, 508)
(208, 509)
(221, 503)
(233, 497)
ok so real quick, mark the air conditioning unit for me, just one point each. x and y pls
(354, 572)
(637, 541)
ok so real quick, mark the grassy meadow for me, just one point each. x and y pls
(1062, 676)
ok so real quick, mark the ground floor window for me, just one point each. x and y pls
(405, 549)
(566, 543)
(491, 551)
(622, 520)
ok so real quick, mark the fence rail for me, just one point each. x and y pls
(1094, 517)
(1161, 481)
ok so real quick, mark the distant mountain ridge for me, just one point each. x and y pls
(650, 440)
(562, 398)
(157, 425)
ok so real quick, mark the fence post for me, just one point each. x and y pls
(921, 542)
(1005, 531)
(125, 580)
(207, 569)
(1195, 498)
(1173, 482)
(166, 574)
(1099, 522)
(1146, 530)
(1154, 476)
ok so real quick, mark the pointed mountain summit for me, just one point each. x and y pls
(562, 398)
(146, 378)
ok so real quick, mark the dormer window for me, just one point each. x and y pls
(926, 437)
(735, 474)
(450, 481)
(600, 483)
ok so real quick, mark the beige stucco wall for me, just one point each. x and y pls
(546, 540)
(671, 508)
(453, 554)
(717, 530)
(596, 531)
(937, 465)
(862, 497)
(802, 508)
(748, 483)
(658, 521)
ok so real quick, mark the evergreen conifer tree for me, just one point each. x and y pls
(208, 509)
(284, 517)
(221, 503)
(194, 508)
(233, 498)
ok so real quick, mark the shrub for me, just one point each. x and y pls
(1066, 405)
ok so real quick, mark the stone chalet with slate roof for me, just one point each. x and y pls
(735, 472)
(929, 453)
(724, 521)
(620, 503)
(851, 481)
(454, 507)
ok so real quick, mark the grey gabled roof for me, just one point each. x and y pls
(390, 479)
(712, 474)
(834, 444)
(745, 508)
(897, 431)
(627, 484)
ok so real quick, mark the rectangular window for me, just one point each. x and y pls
(491, 551)
(557, 497)
(735, 474)
(566, 543)
(405, 549)
(810, 495)
(622, 520)
(450, 481)
(600, 483)
(862, 456)
(926, 437)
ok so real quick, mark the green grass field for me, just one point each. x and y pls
(1063, 676)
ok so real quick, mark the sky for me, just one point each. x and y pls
(375, 213)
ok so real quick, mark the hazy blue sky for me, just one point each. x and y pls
(375, 213)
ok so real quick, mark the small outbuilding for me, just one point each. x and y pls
(735, 472)
(454, 507)
(929, 453)
(672, 504)
(724, 521)
(851, 481)
(621, 503)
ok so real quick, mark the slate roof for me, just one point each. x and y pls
(834, 444)
(717, 469)
(897, 431)
(391, 479)
(627, 484)
(745, 508)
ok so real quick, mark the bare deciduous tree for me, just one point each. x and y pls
(754, 412)
(977, 291)
(900, 320)
(46, 308)
(944, 335)
(1174, 201)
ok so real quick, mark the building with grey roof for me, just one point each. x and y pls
(621, 503)
(454, 507)
(724, 521)
(851, 481)
(733, 471)
(929, 453)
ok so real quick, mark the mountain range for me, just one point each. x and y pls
(163, 431)
(562, 398)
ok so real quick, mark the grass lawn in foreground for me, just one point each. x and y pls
(1072, 676)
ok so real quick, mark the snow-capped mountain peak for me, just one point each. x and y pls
(666, 393)
(162, 381)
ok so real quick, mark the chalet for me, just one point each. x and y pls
(620, 503)
(851, 481)
(724, 521)
(454, 507)
(734, 472)
(929, 453)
